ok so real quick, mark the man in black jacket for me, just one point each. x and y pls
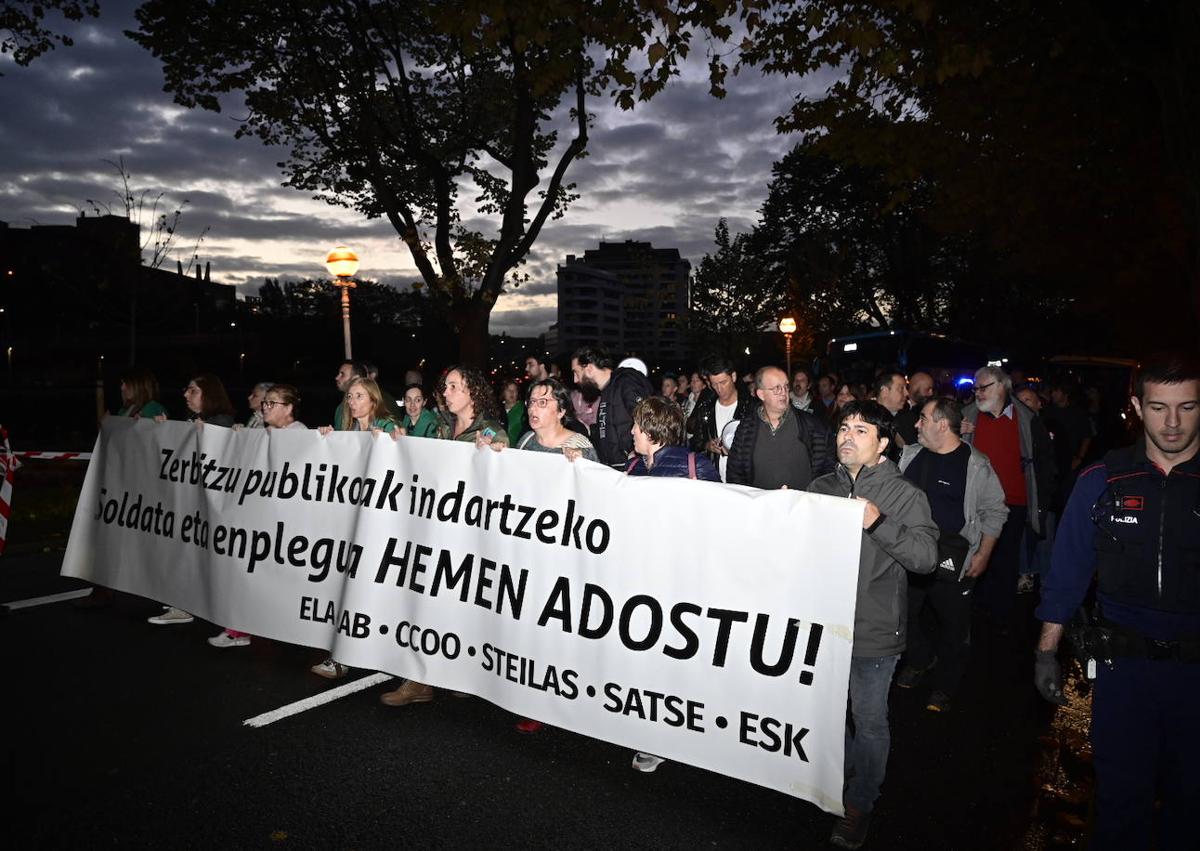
(619, 391)
(729, 403)
(778, 445)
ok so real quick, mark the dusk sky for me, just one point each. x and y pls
(665, 172)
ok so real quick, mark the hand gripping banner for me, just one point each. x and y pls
(564, 592)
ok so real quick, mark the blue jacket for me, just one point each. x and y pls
(672, 462)
(1074, 560)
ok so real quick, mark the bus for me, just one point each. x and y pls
(858, 358)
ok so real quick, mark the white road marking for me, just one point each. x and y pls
(53, 598)
(316, 700)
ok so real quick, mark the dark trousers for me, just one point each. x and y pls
(1145, 717)
(996, 591)
(939, 626)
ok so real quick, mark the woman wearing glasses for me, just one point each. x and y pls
(278, 411)
(280, 406)
(549, 410)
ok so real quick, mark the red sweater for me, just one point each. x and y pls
(999, 438)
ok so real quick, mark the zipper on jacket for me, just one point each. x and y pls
(1162, 517)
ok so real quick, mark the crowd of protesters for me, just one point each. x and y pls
(962, 488)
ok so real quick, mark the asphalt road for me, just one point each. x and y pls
(122, 734)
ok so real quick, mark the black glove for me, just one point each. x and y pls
(1047, 676)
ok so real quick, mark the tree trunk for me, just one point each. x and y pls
(470, 320)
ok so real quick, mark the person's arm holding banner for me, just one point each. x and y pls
(907, 533)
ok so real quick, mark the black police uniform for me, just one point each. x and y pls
(1139, 531)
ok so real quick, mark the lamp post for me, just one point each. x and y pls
(342, 263)
(787, 326)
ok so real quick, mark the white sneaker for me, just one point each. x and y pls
(224, 639)
(330, 670)
(646, 762)
(171, 615)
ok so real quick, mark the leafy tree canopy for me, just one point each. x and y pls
(23, 29)
(1060, 138)
(394, 108)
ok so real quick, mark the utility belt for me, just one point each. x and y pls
(1107, 640)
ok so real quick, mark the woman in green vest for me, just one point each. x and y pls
(139, 394)
(475, 415)
(418, 421)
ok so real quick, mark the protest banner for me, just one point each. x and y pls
(561, 591)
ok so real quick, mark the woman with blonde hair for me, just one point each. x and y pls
(364, 409)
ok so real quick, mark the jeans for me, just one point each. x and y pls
(868, 744)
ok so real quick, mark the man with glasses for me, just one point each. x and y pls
(777, 445)
(1018, 446)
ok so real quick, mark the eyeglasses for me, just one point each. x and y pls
(778, 391)
(268, 404)
(981, 387)
(542, 402)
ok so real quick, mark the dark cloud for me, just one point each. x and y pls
(665, 172)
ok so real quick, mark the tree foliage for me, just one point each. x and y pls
(1054, 144)
(374, 303)
(23, 30)
(732, 301)
(395, 108)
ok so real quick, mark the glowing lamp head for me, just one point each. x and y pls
(787, 325)
(342, 262)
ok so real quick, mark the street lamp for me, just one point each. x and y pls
(787, 326)
(342, 263)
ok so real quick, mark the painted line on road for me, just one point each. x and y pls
(52, 598)
(315, 701)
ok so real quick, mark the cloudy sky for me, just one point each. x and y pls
(663, 173)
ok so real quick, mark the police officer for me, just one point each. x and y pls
(1134, 519)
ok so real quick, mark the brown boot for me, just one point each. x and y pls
(411, 692)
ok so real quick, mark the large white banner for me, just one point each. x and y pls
(702, 622)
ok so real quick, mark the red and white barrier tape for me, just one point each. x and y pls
(7, 465)
(54, 456)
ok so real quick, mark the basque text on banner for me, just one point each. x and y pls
(560, 591)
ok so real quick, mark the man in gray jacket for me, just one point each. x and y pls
(898, 537)
(967, 503)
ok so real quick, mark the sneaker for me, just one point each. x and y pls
(939, 701)
(411, 692)
(910, 675)
(224, 639)
(1025, 583)
(170, 616)
(528, 725)
(850, 831)
(646, 763)
(330, 670)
